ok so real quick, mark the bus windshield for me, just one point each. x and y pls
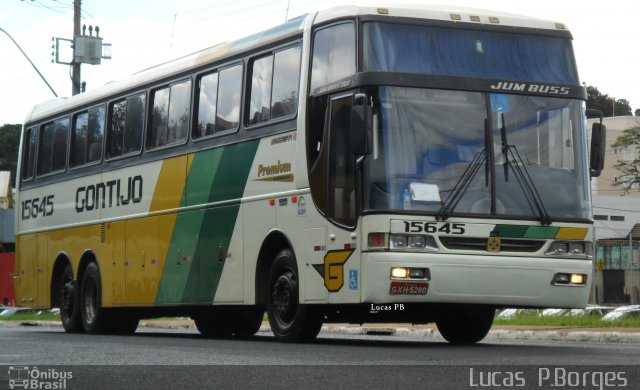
(389, 47)
(425, 139)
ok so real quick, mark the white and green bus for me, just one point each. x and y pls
(358, 164)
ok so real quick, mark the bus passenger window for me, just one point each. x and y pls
(52, 149)
(274, 86)
(170, 115)
(285, 82)
(134, 124)
(261, 90)
(219, 101)
(126, 120)
(86, 137)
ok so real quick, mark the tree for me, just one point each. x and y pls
(606, 104)
(630, 169)
(9, 142)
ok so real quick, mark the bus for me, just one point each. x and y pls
(357, 164)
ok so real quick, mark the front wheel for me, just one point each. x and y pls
(466, 324)
(289, 320)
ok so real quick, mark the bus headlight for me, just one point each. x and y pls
(401, 241)
(578, 249)
(383, 241)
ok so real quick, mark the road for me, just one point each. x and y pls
(166, 358)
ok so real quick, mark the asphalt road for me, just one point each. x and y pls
(169, 358)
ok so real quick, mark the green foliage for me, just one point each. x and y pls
(606, 104)
(630, 169)
(9, 142)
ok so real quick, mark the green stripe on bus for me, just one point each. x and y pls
(517, 231)
(193, 268)
(541, 232)
(510, 231)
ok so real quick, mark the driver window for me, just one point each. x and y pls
(342, 195)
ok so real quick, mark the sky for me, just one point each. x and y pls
(145, 33)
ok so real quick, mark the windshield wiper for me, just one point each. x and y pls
(484, 156)
(512, 158)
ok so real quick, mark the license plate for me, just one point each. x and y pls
(408, 288)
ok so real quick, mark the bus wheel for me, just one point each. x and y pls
(94, 317)
(466, 325)
(240, 322)
(290, 321)
(68, 295)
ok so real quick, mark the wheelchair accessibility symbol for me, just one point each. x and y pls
(353, 279)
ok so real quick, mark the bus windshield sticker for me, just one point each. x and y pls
(499, 103)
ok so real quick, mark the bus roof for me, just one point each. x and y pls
(291, 27)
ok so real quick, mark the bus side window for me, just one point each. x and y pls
(52, 146)
(86, 137)
(334, 55)
(219, 101)
(170, 114)
(274, 86)
(126, 123)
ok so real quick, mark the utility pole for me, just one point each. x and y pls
(75, 72)
(87, 49)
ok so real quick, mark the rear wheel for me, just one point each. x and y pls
(466, 325)
(289, 320)
(69, 300)
(94, 318)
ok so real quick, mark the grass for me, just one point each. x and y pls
(588, 321)
(32, 316)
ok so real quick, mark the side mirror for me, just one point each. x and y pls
(361, 127)
(598, 147)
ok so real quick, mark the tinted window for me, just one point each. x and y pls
(29, 150)
(125, 126)
(170, 116)
(467, 53)
(274, 86)
(52, 147)
(261, 90)
(285, 82)
(86, 137)
(229, 92)
(207, 105)
(334, 55)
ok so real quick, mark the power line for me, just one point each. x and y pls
(31, 62)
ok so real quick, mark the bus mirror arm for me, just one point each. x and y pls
(361, 128)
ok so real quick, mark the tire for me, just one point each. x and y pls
(69, 301)
(289, 320)
(466, 325)
(226, 322)
(95, 319)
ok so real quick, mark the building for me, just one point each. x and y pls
(617, 223)
(6, 197)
